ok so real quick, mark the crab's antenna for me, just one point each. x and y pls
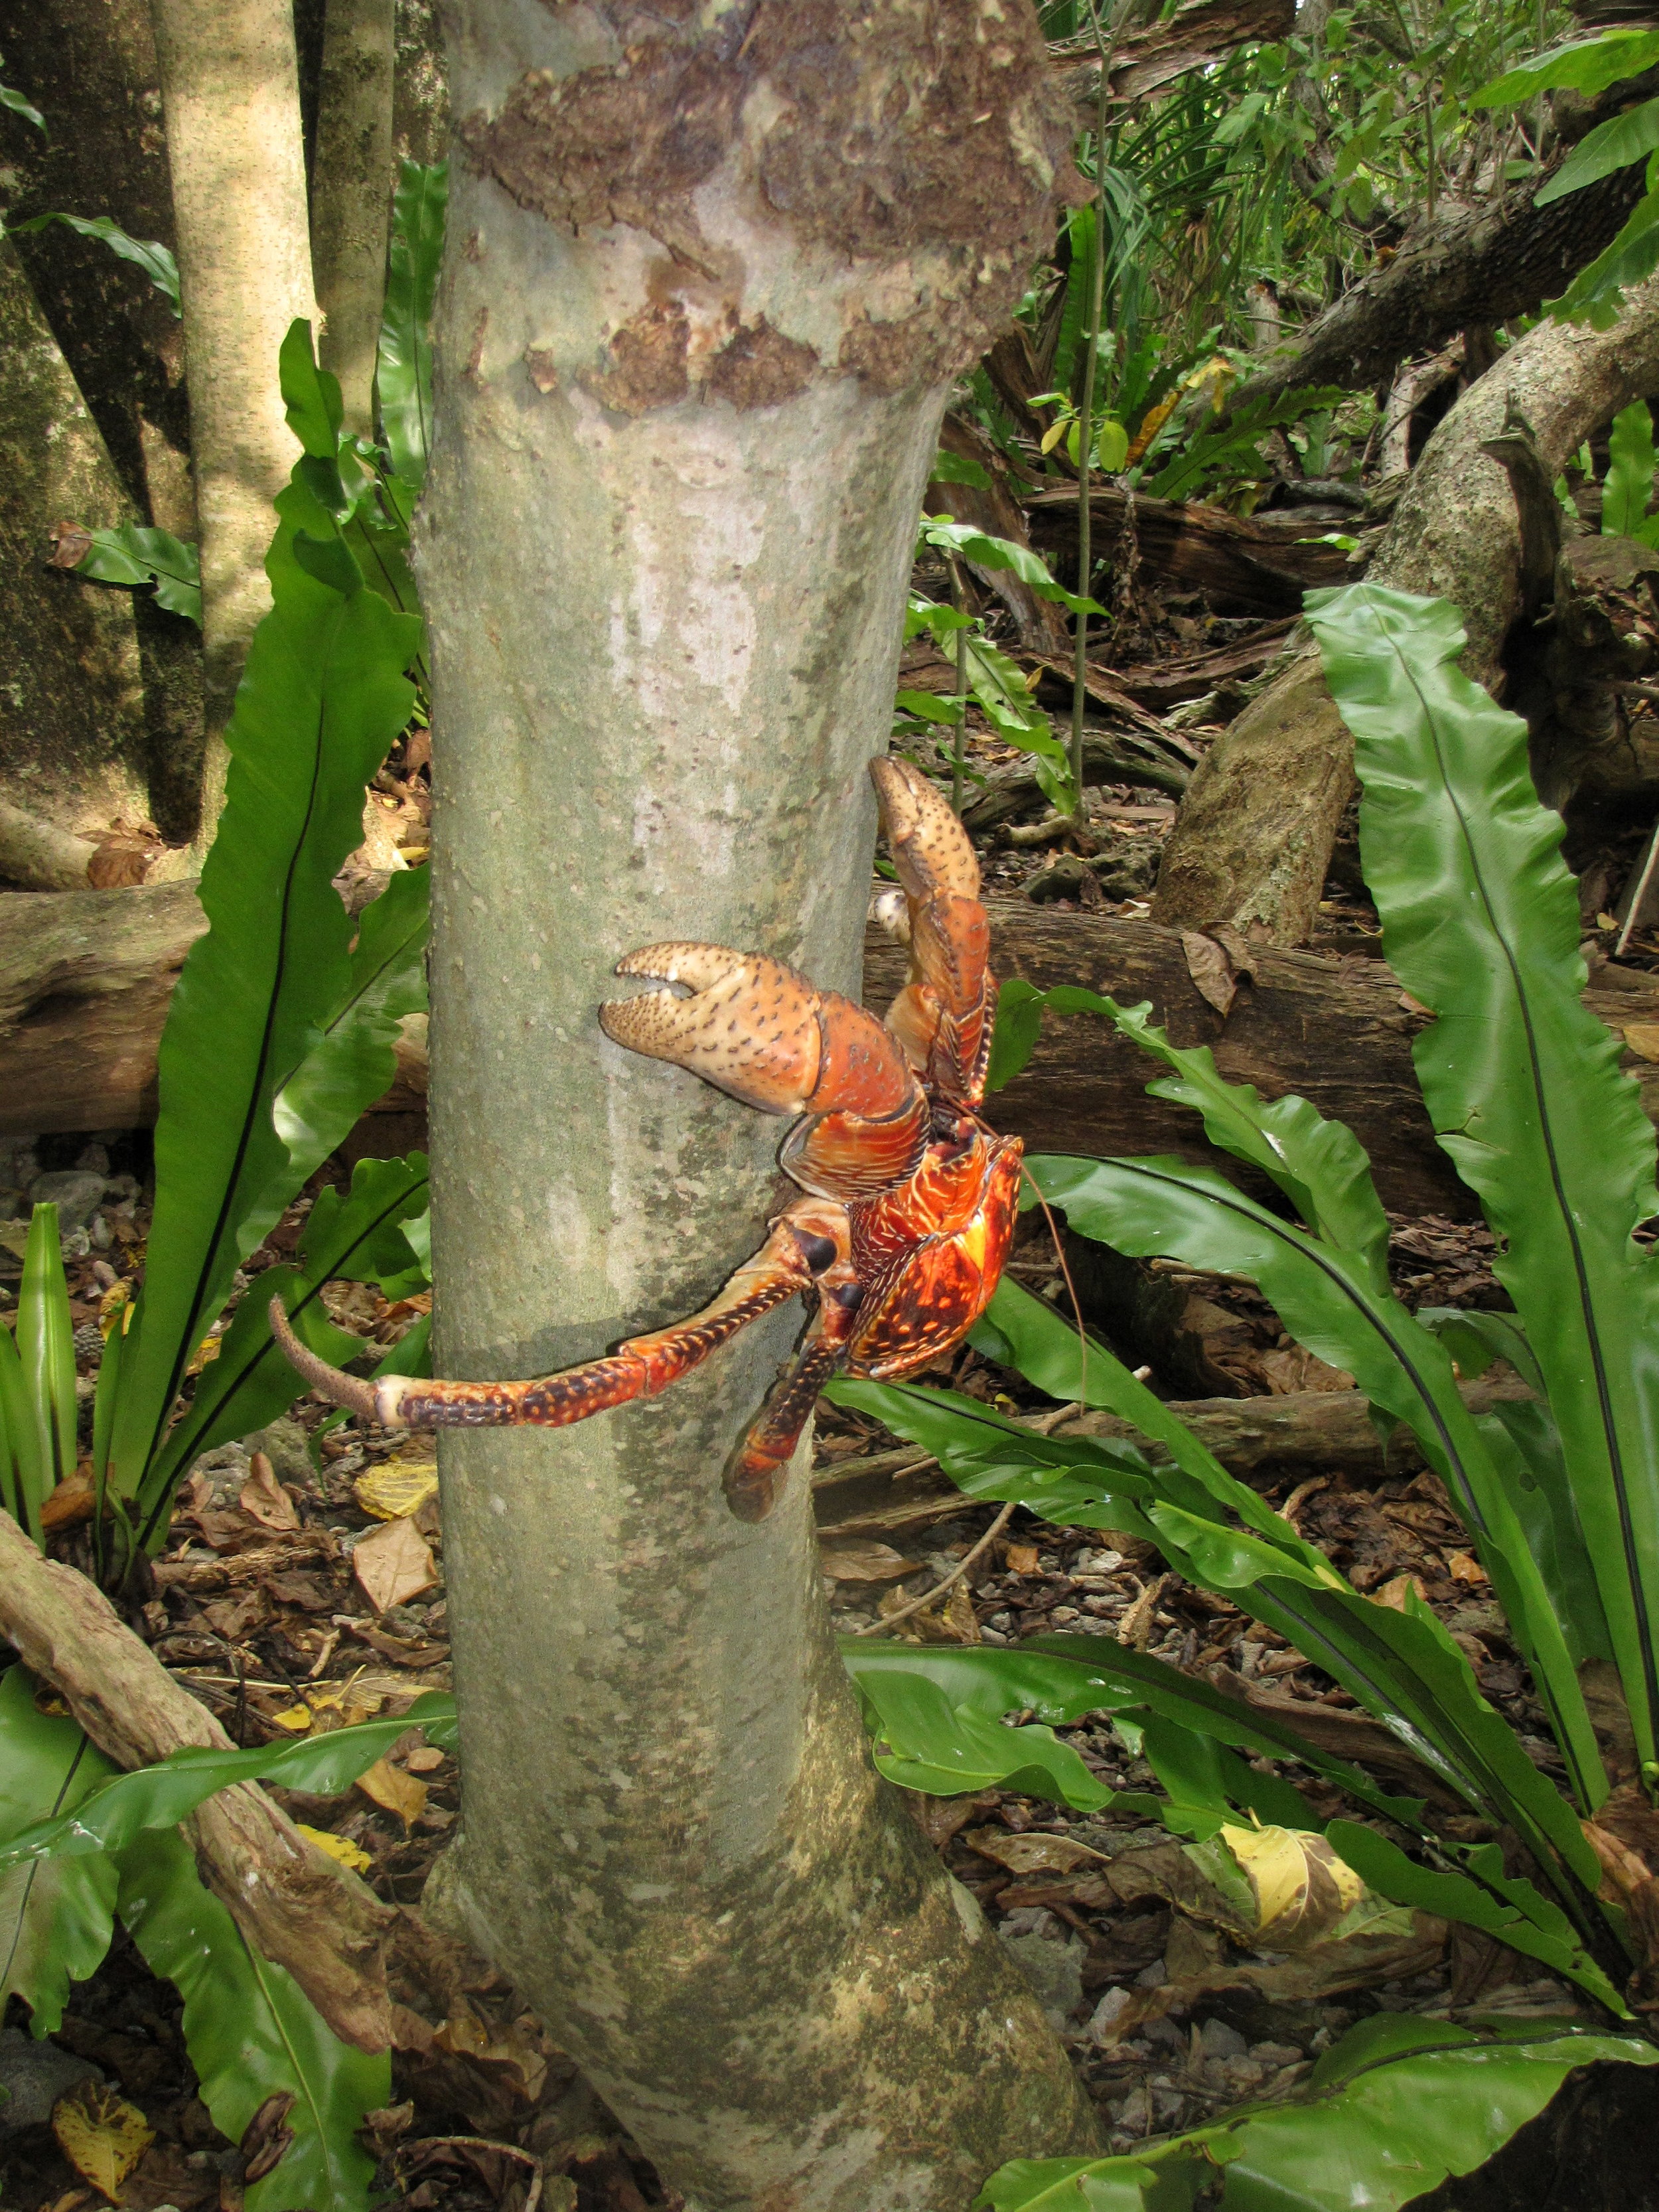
(1026, 1177)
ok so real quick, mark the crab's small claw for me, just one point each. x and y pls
(943, 1016)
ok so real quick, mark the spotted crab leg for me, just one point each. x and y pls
(944, 1013)
(808, 1243)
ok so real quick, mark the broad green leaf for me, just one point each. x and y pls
(1018, 1023)
(1483, 1898)
(148, 254)
(55, 1921)
(970, 542)
(131, 554)
(14, 101)
(45, 1349)
(999, 686)
(1395, 2107)
(1597, 292)
(1341, 1307)
(1629, 485)
(958, 468)
(402, 375)
(940, 1729)
(250, 1384)
(928, 707)
(1075, 313)
(1577, 66)
(1611, 145)
(107, 1818)
(1234, 442)
(1521, 1082)
(353, 1061)
(251, 2033)
(322, 698)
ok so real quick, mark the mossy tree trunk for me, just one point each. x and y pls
(351, 195)
(709, 279)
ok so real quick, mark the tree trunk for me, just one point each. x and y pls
(694, 341)
(71, 720)
(230, 89)
(1255, 834)
(351, 197)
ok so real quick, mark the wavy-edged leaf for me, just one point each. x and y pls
(403, 373)
(1332, 1301)
(107, 1814)
(1390, 2112)
(250, 1384)
(1611, 145)
(146, 253)
(55, 1921)
(1212, 449)
(133, 553)
(323, 696)
(969, 543)
(251, 2033)
(354, 1060)
(940, 1729)
(1577, 65)
(1629, 485)
(23, 1481)
(1521, 1082)
(1597, 292)
(1018, 1023)
(1484, 1897)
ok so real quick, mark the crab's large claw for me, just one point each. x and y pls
(760, 1031)
(944, 1015)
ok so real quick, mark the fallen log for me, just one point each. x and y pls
(85, 977)
(1258, 564)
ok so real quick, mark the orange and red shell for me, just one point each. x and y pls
(930, 1252)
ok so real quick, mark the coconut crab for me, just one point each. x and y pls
(910, 1199)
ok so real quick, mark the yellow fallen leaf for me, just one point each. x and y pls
(394, 1490)
(392, 1563)
(116, 1303)
(1300, 1883)
(296, 1719)
(1464, 1567)
(349, 1854)
(1643, 1039)
(102, 2135)
(398, 1792)
(1022, 1559)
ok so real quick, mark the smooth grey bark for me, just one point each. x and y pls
(1254, 837)
(664, 555)
(351, 196)
(230, 90)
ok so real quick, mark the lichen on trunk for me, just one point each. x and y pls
(703, 297)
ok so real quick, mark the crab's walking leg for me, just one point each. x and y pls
(944, 1015)
(751, 1479)
(808, 1239)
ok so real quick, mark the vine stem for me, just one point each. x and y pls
(959, 597)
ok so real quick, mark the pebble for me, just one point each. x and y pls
(76, 1194)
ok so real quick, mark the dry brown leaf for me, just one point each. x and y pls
(75, 1499)
(425, 1758)
(102, 2135)
(952, 1620)
(1464, 1567)
(1295, 1370)
(1642, 1038)
(865, 1562)
(264, 1496)
(1211, 969)
(392, 1563)
(1023, 1559)
(398, 1489)
(267, 2136)
(1393, 1594)
(1033, 1852)
(399, 1793)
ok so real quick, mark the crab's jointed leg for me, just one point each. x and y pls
(808, 1241)
(944, 1015)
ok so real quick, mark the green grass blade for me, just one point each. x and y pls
(252, 2034)
(1480, 922)
(56, 1921)
(22, 1470)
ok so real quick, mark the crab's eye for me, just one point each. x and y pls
(818, 1252)
(847, 1294)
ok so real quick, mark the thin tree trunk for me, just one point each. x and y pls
(1254, 837)
(351, 195)
(230, 89)
(681, 447)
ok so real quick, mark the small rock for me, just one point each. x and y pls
(77, 1196)
(1152, 1976)
(1107, 2012)
(1275, 2054)
(33, 2077)
(284, 1444)
(1063, 879)
(95, 1159)
(1217, 2040)
(1054, 1970)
